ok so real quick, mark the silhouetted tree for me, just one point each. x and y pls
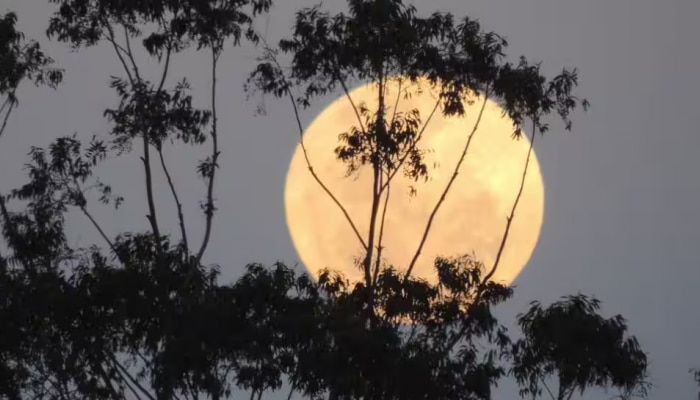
(145, 318)
(383, 43)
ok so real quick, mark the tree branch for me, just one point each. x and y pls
(308, 161)
(99, 229)
(108, 381)
(123, 371)
(376, 186)
(547, 387)
(291, 391)
(118, 49)
(381, 236)
(483, 282)
(509, 220)
(447, 188)
(130, 54)
(8, 112)
(209, 210)
(146, 158)
(167, 60)
(352, 103)
(165, 70)
(412, 146)
(178, 204)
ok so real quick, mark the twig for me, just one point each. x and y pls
(381, 236)
(178, 204)
(126, 373)
(512, 211)
(376, 191)
(291, 391)
(130, 54)
(165, 70)
(6, 102)
(396, 103)
(7, 114)
(352, 103)
(447, 189)
(412, 146)
(99, 229)
(146, 158)
(108, 381)
(483, 282)
(167, 62)
(209, 211)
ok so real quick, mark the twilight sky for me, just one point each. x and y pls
(622, 189)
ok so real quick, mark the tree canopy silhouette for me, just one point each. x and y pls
(142, 316)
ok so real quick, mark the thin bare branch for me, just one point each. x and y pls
(396, 103)
(125, 373)
(306, 154)
(178, 204)
(7, 113)
(99, 228)
(291, 391)
(447, 188)
(381, 236)
(547, 387)
(352, 103)
(385, 185)
(130, 53)
(119, 49)
(482, 285)
(108, 381)
(6, 102)
(509, 220)
(209, 210)
(131, 388)
(165, 69)
(169, 49)
(152, 217)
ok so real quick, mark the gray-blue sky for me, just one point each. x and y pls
(622, 190)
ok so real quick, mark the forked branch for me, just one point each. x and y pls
(447, 188)
(10, 103)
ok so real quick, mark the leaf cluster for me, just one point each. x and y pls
(22, 60)
(157, 113)
(177, 23)
(571, 340)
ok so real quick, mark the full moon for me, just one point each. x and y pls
(471, 220)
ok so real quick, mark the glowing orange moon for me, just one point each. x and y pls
(471, 219)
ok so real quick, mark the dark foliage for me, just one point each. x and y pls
(145, 318)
